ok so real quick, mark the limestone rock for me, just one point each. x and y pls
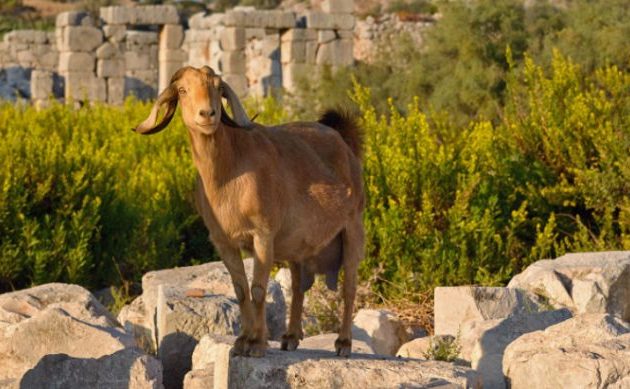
(73, 299)
(588, 351)
(326, 342)
(134, 320)
(380, 329)
(182, 321)
(325, 21)
(489, 339)
(419, 347)
(597, 282)
(54, 331)
(74, 18)
(41, 84)
(80, 38)
(322, 369)
(128, 368)
(457, 305)
(171, 36)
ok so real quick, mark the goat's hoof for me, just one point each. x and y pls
(256, 348)
(343, 347)
(290, 342)
(240, 346)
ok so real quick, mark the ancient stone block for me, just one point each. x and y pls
(110, 67)
(115, 33)
(76, 61)
(84, 86)
(135, 61)
(254, 33)
(232, 38)
(280, 19)
(167, 69)
(80, 38)
(345, 34)
(41, 84)
(171, 36)
(156, 14)
(325, 21)
(293, 51)
(335, 53)
(588, 351)
(234, 18)
(311, 52)
(74, 18)
(325, 36)
(457, 305)
(117, 15)
(108, 50)
(232, 62)
(173, 55)
(26, 36)
(49, 61)
(140, 38)
(116, 95)
(200, 21)
(596, 282)
(338, 6)
(299, 34)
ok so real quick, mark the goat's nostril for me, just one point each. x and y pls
(206, 113)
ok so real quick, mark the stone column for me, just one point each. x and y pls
(171, 56)
(77, 39)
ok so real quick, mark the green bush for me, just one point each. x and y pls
(450, 205)
(85, 200)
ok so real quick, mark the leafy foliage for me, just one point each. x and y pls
(84, 200)
(473, 205)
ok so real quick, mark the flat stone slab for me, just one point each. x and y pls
(323, 369)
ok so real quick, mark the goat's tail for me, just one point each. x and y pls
(346, 125)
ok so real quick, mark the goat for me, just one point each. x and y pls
(289, 193)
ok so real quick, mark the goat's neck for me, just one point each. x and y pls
(213, 155)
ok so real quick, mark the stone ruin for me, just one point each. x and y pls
(135, 50)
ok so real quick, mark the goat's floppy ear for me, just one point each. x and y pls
(168, 96)
(240, 116)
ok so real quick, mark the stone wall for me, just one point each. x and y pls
(135, 50)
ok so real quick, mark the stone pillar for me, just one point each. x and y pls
(77, 40)
(171, 56)
(299, 47)
(232, 59)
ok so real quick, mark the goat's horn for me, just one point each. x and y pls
(240, 116)
(168, 96)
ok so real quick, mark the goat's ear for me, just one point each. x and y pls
(169, 97)
(240, 116)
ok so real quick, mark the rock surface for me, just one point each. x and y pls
(326, 342)
(588, 351)
(75, 300)
(597, 282)
(489, 339)
(128, 368)
(380, 329)
(459, 304)
(59, 336)
(321, 369)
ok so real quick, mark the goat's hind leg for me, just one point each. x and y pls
(353, 250)
(291, 339)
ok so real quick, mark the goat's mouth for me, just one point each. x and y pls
(205, 124)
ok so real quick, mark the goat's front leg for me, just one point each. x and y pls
(263, 261)
(232, 259)
(353, 249)
(292, 338)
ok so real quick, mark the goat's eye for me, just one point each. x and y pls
(182, 91)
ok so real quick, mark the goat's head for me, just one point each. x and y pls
(199, 91)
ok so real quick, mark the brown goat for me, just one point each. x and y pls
(289, 193)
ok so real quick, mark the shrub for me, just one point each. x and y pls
(449, 205)
(85, 200)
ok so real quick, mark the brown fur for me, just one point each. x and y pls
(290, 193)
